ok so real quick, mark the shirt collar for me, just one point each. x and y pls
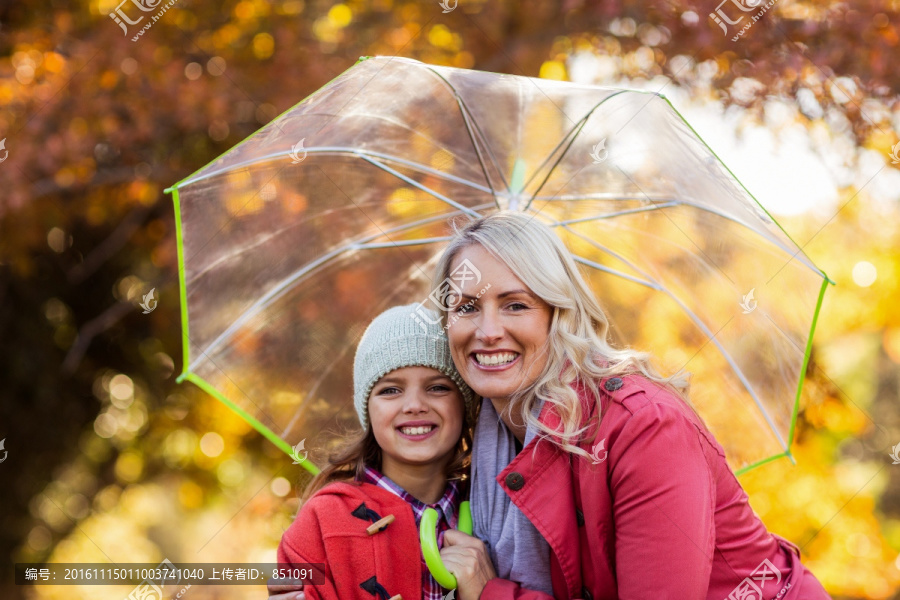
(447, 506)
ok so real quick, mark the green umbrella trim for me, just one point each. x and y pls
(806, 355)
(199, 381)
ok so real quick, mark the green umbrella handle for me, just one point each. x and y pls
(428, 538)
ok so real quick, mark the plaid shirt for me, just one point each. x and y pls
(448, 515)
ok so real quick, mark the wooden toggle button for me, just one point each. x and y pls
(380, 525)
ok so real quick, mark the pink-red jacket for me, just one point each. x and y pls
(657, 514)
(329, 536)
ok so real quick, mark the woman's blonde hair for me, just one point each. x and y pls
(577, 344)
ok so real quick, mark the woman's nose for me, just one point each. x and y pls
(488, 326)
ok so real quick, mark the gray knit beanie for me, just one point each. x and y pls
(403, 336)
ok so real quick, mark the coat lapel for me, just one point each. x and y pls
(547, 498)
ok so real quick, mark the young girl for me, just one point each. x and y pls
(359, 522)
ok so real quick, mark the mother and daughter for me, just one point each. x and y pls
(589, 474)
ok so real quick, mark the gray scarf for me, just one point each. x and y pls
(518, 550)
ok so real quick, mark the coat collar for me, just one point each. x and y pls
(547, 498)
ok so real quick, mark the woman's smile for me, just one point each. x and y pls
(495, 361)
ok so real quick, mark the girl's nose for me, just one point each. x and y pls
(412, 402)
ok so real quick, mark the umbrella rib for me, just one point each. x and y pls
(599, 267)
(425, 189)
(464, 110)
(465, 116)
(310, 395)
(341, 150)
(697, 321)
(734, 366)
(571, 136)
(471, 124)
(284, 284)
(404, 243)
(619, 213)
(607, 196)
(669, 204)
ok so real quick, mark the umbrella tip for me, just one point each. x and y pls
(516, 183)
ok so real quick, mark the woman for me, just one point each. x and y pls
(361, 517)
(592, 476)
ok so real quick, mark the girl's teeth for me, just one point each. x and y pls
(416, 430)
(495, 359)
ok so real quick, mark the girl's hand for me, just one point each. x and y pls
(467, 558)
(285, 591)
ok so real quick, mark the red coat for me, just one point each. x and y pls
(326, 532)
(661, 516)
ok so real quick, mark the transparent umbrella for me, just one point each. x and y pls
(291, 242)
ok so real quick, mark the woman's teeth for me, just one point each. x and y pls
(495, 359)
(417, 430)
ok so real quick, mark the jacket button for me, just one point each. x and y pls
(613, 384)
(579, 516)
(515, 481)
(586, 594)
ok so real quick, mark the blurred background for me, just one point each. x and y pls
(106, 458)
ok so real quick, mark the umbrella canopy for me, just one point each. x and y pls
(291, 242)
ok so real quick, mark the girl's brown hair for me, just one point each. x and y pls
(347, 463)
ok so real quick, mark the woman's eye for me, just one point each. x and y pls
(518, 306)
(464, 308)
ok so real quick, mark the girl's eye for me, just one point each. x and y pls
(388, 390)
(440, 388)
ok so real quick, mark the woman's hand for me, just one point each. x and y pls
(285, 591)
(467, 558)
